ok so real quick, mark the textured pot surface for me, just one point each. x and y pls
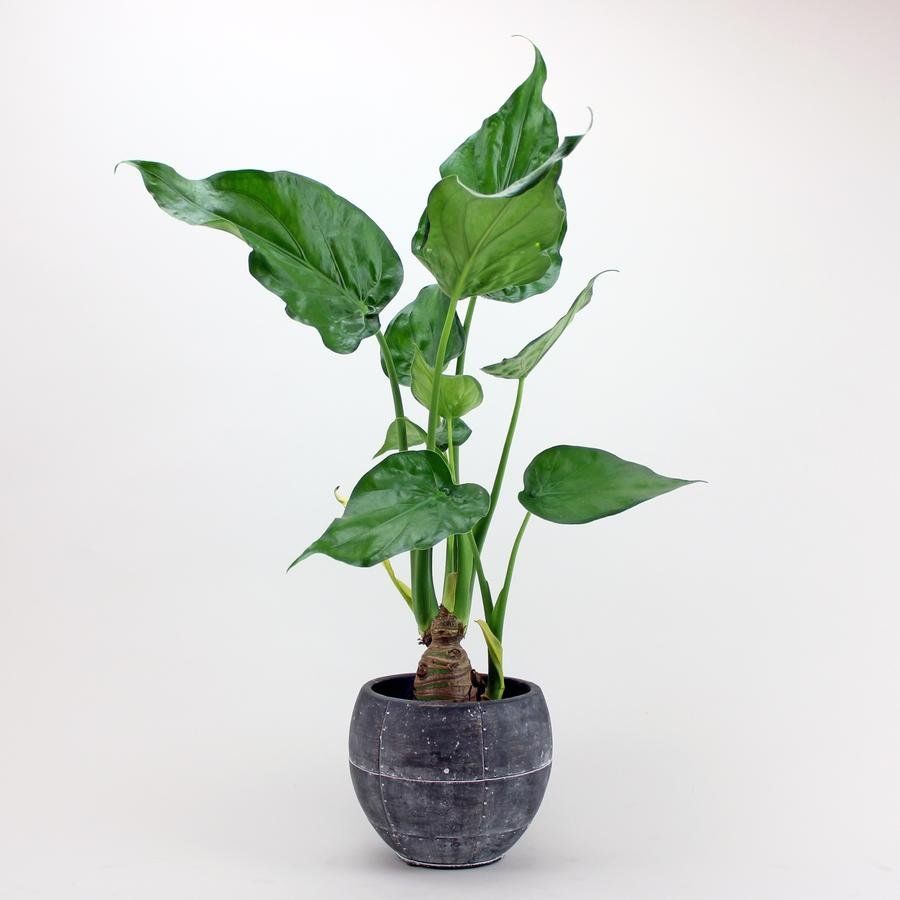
(449, 784)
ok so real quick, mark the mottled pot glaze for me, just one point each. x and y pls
(449, 785)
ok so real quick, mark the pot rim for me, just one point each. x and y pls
(369, 688)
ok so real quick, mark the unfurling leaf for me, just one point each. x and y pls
(418, 326)
(531, 354)
(478, 244)
(495, 652)
(449, 599)
(325, 258)
(414, 436)
(458, 393)
(408, 501)
(573, 485)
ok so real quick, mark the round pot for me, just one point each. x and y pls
(449, 785)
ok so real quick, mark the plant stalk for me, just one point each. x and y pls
(495, 678)
(439, 357)
(481, 528)
(425, 603)
(395, 390)
(500, 607)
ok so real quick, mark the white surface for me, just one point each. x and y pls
(721, 665)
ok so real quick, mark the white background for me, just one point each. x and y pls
(721, 664)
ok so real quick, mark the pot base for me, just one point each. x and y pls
(426, 865)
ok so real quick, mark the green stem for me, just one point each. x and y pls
(450, 556)
(500, 609)
(495, 675)
(425, 603)
(451, 462)
(467, 324)
(481, 528)
(439, 357)
(395, 390)
(486, 601)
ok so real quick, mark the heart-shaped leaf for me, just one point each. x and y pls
(531, 354)
(418, 326)
(326, 259)
(573, 485)
(406, 502)
(478, 244)
(458, 393)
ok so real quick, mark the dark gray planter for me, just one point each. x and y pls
(449, 785)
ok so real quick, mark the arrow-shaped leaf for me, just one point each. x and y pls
(531, 354)
(325, 258)
(414, 436)
(406, 502)
(573, 485)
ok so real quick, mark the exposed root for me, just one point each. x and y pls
(444, 671)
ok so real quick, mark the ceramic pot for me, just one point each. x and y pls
(449, 785)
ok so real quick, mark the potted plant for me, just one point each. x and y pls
(449, 766)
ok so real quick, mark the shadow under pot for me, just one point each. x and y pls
(449, 785)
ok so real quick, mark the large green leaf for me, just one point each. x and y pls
(510, 143)
(573, 485)
(517, 141)
(458, 393)
(418, 326)
(531, 354)
(326, 259)
(406, 502)
(478, 244)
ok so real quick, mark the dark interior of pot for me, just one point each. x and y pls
(400, 687)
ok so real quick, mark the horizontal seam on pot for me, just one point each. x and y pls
(451, 780)
(450, 837)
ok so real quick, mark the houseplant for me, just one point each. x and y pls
(456, 775)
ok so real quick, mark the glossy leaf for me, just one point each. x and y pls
(573, 485)
(512, 142)
(459, 394)
(478, 244)
(326, 259)
(414, 436)
(531, 354)
(408, 501)
(517, 141)
(461, 433)
(418, 326)
(404, 589)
